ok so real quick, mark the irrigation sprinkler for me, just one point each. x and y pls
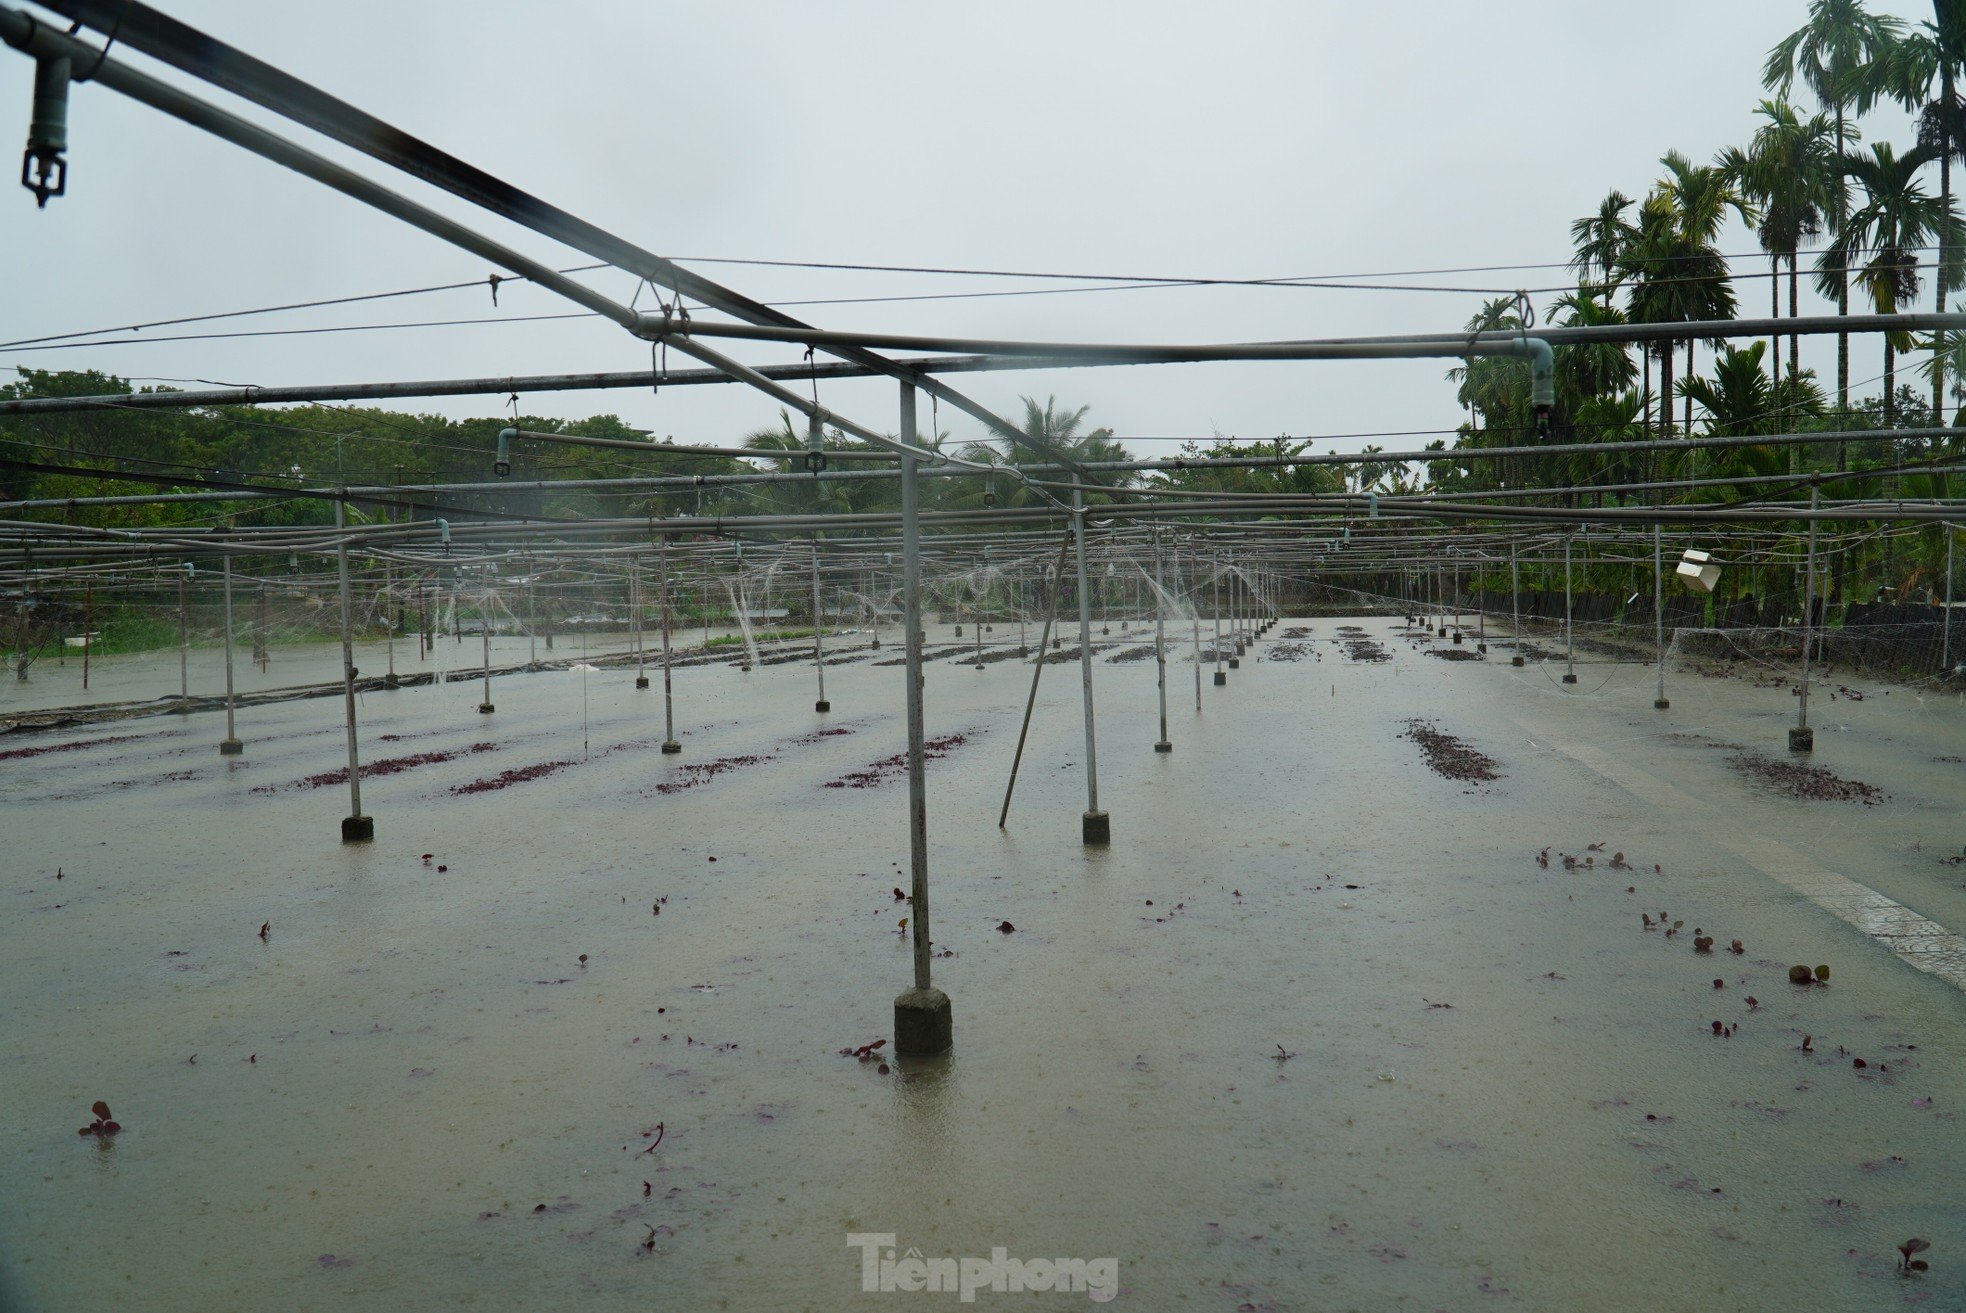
(923, 1023)
(1095, 827)
(229, 746)
(355, 827)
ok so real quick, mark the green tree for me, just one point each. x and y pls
(1926, 65)
(1841, 54)
(1789, 174)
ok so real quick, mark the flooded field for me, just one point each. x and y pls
(1405, 983)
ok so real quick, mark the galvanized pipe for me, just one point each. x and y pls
(356, 825)
(911, 610)
(1097, 825)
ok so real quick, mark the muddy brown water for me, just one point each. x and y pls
(1499, 1088)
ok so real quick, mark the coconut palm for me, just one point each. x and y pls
(1840, 54)
(1789, 174)
(1057, 433)
(1926, 66)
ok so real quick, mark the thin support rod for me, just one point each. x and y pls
(1659, 615)
(1808, 620)
(1160, 643)
(668, 687)
(347, 670)
(1037, 672)
(230, 736)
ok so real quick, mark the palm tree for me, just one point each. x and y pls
(1741, 400)
(1600, 239)
(1057, 433)
(1789, 173)
(1882, 237)
(1840, 55)
(1930, 53)
(1674, 272)
(1702, 195)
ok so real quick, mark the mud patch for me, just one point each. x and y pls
(874, 773)
(384, 766)
(17, 754)
(505, 779)
(1809, 783)
(1447, 756)
(1455, 654)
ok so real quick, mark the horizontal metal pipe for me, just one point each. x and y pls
(493, 386)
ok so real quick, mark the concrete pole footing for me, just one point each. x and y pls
(641, 681)
(1661, 704)
(1221, 678)
(357, 829)
(1235, 663)
(230, 747)
(1569, 679)
(1802, 739)
(670, 747)
(923, 1024)
(1515, 660)
(1163, 746)
(822, 705)
(486, 708)
(1096, 828)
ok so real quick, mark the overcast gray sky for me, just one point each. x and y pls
(1231, 140)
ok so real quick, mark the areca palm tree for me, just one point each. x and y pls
(1600, 239)
(1841, 55)
(1789, 172)
(1702, 195)
(1881, 239)
(1674, 272)
(1927, 64)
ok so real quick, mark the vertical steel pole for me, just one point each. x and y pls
(641, 648)
(1659, 701)
(1194, 613)
(1515, 603)
(389, 617)
(1095, 827)
(183, 643)
(1215, 608)
(484, 631)
(1569, 640)
(229, 746)
(818, 627)
(1802, 738)
(669, 744)
(88, 621)
(1160, 642)
(922, 1026)
(354, 826)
